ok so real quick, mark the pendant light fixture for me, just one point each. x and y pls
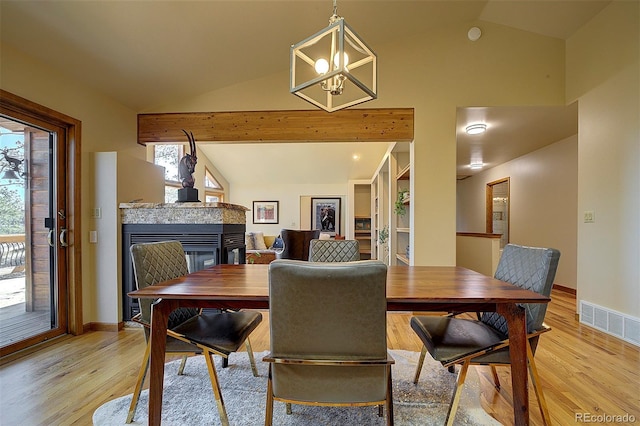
(334, 68)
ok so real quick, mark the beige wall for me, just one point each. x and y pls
(543, 204)
(106, 126)
(603, 68)
(435, 73)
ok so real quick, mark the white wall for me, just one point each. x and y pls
(294, 203)
(604, 74)
(543, 198)
(119, 178)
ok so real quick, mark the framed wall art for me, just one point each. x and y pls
(325, 215)
(265, 212)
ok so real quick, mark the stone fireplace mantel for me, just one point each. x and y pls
(190, 213)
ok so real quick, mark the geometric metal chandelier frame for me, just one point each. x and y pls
(334, 68)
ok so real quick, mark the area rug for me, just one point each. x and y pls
(188, 399)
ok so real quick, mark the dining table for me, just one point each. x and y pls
(409, 289)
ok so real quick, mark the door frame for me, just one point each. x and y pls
(489, 206)
(23, 109)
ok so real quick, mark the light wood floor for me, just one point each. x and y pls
(582, 371)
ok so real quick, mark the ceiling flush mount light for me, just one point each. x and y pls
(333, 69)
(476, 166)
(476, 129)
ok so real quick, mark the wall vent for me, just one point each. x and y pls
(611, 322)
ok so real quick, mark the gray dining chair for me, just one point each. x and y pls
(452, 340)
(189, 331)
(328, 335)
(334, 251)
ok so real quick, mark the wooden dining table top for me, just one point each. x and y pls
(408, 288)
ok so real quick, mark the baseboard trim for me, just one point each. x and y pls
(103, 326)
(565, 289)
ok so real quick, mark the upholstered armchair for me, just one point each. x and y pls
(296, 243)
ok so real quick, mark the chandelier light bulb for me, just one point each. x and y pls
(336, 59)
(322, 66)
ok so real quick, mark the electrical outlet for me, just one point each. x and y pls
(589, 217)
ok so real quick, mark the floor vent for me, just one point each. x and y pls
(611, 322)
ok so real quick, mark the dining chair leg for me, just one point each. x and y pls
(496, 379)
(208, 356)
(182, 364)
(389, 401)
(457, 391)
(138, 389)
(268, 417)
(537, 386)
(288, 408)
(252, 361)
(423, 353)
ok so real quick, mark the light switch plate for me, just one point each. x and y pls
(589, 216)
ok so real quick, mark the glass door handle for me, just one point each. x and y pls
(50, 238)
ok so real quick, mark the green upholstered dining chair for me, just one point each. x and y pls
(328, 335)
(334, 251)
(452, 340)
(189, 331)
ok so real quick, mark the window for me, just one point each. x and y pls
(213, 191)
(168, 156)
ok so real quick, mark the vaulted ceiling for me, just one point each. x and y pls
(198, 46)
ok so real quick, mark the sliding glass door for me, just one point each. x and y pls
(33, 232)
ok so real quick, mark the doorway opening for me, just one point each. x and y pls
(497, 216)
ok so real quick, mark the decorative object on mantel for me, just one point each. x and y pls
(322, 64)
(186, 168)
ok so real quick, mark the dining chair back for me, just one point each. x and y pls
(334, 251)
(328, 335)
(188, 330)
(452, 340)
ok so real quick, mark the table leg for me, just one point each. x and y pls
(159, 318)
(516, 322)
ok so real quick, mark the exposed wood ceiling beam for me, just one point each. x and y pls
(354, 125)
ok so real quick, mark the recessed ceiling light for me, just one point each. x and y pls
(476, 129)
(356, 157)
